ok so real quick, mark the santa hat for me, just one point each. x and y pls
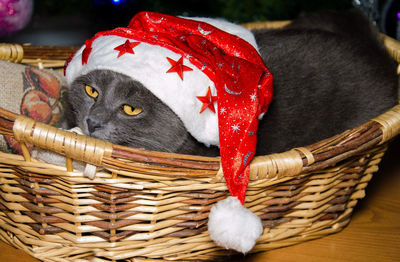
(214, 80)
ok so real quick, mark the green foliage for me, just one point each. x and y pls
(234, 10)
(243, 10)
(259, 10)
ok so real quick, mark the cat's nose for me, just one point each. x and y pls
(92, 124)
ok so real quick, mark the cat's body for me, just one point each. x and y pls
(329, 75)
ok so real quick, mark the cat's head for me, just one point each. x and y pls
(114, 107)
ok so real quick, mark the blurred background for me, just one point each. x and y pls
(71, 22)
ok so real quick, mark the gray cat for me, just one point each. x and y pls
(331, 73)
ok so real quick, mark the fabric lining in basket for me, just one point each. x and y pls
(146, 206)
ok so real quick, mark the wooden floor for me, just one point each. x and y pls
(372, 235)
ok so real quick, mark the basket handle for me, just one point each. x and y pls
(11, 52)
(72, 145)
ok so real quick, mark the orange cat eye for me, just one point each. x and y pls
(130, 110)
(90, 91)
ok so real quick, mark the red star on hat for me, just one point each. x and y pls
(126, 47)
(208, 101)
(178, 67)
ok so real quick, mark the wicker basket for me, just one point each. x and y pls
(145, 206)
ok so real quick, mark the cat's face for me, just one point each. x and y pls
(113, 107)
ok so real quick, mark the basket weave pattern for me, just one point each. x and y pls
(54, 213)
(146, 205)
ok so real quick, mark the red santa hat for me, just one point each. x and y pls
(213, 79)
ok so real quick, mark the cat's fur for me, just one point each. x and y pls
(330, 74)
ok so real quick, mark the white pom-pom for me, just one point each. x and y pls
(233, 226)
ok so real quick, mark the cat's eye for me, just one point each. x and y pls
(90, 91)
(130, 110)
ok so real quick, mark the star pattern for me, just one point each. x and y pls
(126, 47)
(208, 101)
(178, 67)
(235, 128)
(253, 97)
